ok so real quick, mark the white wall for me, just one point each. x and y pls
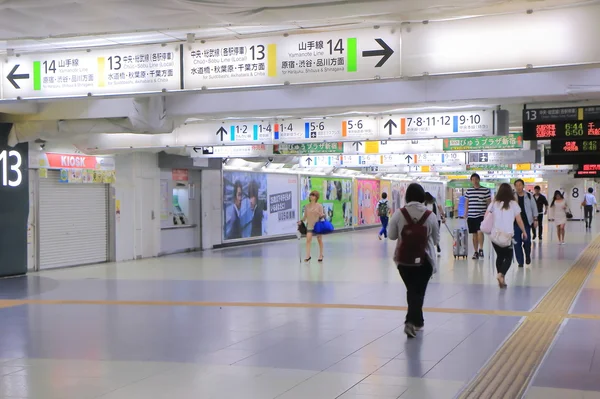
(212, 208)
(138, 190)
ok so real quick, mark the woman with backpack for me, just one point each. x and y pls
(505, 211)
(418, 233)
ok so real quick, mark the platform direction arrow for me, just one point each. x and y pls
(222, 131)
(309, 161)
(13, 76)
(357, 145)
(408, 159)
(390, 125)
(385, 53)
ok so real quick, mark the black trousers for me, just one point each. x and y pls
(416, 279)
(504, 258)
(588, 212)
(540, 228)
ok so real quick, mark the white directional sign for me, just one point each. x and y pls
(393, 147)
(302, 58)
(232, 151)
(444, 158)
(320, 161)
(237, 132)
(502, 157)
(114, 71)
(448, 124)
(329, 129)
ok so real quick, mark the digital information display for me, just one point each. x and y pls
(574, 146)
(569, 158)
(561, 123)
(588, 171)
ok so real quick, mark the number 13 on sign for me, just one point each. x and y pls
(7, 166)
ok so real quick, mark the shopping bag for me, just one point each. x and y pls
(302, 228)
(323, 227)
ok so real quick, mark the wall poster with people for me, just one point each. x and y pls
(368, 195)
(336, 198)
(398, 189)
(259, 204)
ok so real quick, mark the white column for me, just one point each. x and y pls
(573, 190)
(138, 190)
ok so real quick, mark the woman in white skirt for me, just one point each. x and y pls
(558, 214)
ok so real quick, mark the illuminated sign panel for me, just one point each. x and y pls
(574, 146)
(561, 123)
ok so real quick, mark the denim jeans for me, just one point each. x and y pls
(384, 225)
(521, 244)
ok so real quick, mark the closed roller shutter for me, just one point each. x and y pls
(73, 223)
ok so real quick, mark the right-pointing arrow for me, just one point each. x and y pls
(385, 53)
(13, 76)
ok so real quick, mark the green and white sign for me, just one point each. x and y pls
(485, 168)
(512, 141)
(308, 148)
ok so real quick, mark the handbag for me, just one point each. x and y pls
(487, 226)
(323, 227)
(569, 214)
(302, 228)
(501, 238)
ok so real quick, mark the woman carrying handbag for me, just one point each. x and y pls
(559, 213)
(498, 222)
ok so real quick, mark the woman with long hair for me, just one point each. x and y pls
(313, 212)
(558, 214)
(432, 205)
(505, 211)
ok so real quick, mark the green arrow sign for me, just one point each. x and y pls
(512, 141)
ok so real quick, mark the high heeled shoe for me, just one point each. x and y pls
(321, 259)
(308, 259)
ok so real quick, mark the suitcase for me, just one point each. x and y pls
(460, 248)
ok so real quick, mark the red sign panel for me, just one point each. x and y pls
(180, 175)
(69, 161)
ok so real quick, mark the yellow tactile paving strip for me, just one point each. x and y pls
(508, 373)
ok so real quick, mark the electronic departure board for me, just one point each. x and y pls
(569, 158)
(588, 171)
(575, 146)
(561, 123)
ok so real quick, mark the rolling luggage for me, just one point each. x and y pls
(460, 247)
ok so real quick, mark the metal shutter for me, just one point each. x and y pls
(72, 223)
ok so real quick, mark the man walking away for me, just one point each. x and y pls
(529, 215)
(383, 210)
(589, 205)
(542, 207)
(477, 200)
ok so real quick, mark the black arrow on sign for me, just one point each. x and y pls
(390, 125)
(357, 145)
(222, 131)
(408, 158)
(385, 53)
(309, 161)
(196, 149)
(12, 76)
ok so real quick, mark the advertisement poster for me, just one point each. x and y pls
(336, 197)
(259, 204)
(385, 186)
(368, 192)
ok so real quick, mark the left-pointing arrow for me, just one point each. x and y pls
(13, 76)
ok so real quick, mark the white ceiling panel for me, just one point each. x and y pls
(35, 19)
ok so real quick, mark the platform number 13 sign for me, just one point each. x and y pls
(10, 168)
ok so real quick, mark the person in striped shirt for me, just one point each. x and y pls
(478, 199)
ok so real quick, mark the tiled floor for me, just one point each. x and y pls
(165, 328)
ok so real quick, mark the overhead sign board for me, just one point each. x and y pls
(433, 125)
(561, 123)
(502, 157)
(328, 129)
(308, 148)
(588, 171)
(511, 141)
(351, 161)
(302, 58)
(393, 147)
(232, 151)
(104, 71)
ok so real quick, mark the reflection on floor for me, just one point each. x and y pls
(164, 328)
